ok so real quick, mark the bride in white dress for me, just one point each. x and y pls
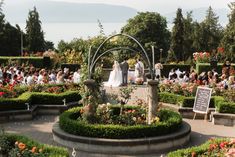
(115, 77)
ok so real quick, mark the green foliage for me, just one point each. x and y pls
(229, 33)
(35, 35)
(170, 98)
(7, 143)
(189, 102)
(10, 37)
(226, 107)
(204, 67)
(149, 29)
(7, 104)
(35, 61)
(212, 31)
(77, 127)
(177, 36)
(200, 150)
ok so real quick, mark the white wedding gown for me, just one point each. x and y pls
(115, 77)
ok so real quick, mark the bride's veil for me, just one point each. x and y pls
(117, 66)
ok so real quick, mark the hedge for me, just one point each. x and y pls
(204, 67)
(226, 107)
(170, 98)
(217, 102)
(69, 123)
(7, 104)
(35, 61)
(198, 150)
(189, 102)
(7, 142)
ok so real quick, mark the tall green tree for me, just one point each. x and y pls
(35, 35)
(228, 41)
(212, 31)
(177, 38)
(9, 36)
(188, 47)
(149, 28)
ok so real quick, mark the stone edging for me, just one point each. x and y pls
(17, 115)
(223, 119)
(147, 145)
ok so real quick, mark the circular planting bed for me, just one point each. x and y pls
(169, 132)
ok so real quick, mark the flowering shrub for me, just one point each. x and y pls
(212, 148)
(185, 89)
(201, 57)
(221, 148)
(21, 150)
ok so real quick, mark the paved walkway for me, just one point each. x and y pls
(40, 128)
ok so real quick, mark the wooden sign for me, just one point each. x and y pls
(202, 100)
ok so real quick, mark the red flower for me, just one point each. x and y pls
(220, 49)
(223, 144)
(1, 94)
(193, 154)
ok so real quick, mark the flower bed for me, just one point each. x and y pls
(13, 145)
(213, 147)
(166, 122)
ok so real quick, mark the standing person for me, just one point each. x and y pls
(139, 72)
(124, 68)
(158, 68)
(115, 77)
(213, 60)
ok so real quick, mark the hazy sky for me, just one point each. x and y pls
(163, 6)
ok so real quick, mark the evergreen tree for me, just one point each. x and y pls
(177, 39)
(35, 35)
(212, 31)
(188, 48)
(228, 41)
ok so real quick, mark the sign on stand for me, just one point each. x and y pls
(202, 101)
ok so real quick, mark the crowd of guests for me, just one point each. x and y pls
(20, 75)
(224, 79)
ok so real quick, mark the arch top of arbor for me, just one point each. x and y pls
(95, 57)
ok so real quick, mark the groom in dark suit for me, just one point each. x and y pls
(125, 68)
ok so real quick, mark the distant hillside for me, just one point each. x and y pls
(199, 15)
(16, 11)
(54, 11)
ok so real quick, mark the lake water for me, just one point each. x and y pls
(67, 31)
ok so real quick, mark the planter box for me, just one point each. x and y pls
(223, 119)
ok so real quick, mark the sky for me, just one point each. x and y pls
(163, 6)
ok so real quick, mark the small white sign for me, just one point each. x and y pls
(202, 100)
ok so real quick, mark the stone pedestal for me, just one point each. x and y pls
(152, 99)
(90, 85)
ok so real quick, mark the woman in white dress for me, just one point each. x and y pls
(115, 77)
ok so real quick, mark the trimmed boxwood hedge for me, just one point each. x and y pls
(198, 149)
(7, 104)
(170, 98)
(69, 123)
(201, 67)
(35, 61)
(7, 142)
(225, 107)
(217, 102)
